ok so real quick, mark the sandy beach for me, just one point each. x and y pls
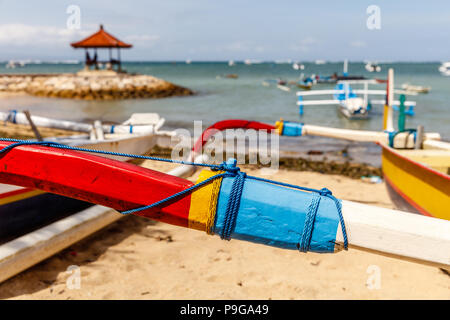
(136, 258)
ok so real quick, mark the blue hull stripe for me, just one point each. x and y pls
(275, 216)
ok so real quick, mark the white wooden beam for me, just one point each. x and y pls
(397, 234)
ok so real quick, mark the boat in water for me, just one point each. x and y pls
(372, 67)
(12, 64)
(417, 89)
(353, 103)
(444, 69)
(298, 66)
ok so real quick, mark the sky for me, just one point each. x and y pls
(212, 30)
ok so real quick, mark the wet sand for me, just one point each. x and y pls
(136, 258)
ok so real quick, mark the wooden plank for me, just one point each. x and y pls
(435, 144)
(361, 135)
(398, 234)
(317, 102)
(24, 252)
(33, 126)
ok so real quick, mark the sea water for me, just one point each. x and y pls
(218, 98)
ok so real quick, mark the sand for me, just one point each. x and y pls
(136, 258)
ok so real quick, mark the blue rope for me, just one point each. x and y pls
(185, 192)
(305, 239)
(235, 195)
(393, 134)
(233, 206)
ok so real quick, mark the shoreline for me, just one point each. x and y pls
(300, 163)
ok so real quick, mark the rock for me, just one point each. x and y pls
(92, 87)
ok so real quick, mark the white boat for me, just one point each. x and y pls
(141, 123)
(445, 68)
(372, 67)
(283, 87)
(353, 103)
(298, 66)
(231, 63)
(320, 62)
(13, 64)
(418, 89)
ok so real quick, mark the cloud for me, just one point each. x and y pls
(305, 44)
(309, 41)
(241, 46)
(358, 44)
(22, 35)
(142, 38)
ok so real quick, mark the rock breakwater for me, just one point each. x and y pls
(121, 86)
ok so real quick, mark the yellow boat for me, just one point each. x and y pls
(418, 180)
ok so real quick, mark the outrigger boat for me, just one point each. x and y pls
(223, 202)
(353, 103)
(334, 78)
(372, 67)
(444, 69)
(418, 89)
(264, 212)
(26, 209)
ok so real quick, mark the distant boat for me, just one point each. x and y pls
(372, 67)
(188, 61)
(445, 68)
(231, 63)
(419, 89)
(298, 66)
(250, 61)
(13, 64)
(283, 87)
(320, 62)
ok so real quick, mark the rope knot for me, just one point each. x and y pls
(228, 166)
(325, 192)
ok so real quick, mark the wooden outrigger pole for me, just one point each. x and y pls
(269, 214)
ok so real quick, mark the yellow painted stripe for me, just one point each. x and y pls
(279, 127)
(204, 202)
(429, 198)
(20, 196)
